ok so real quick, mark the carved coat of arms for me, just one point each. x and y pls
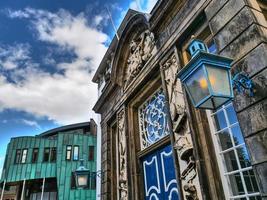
(141, 49)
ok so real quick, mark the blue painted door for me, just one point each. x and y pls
(159, 175)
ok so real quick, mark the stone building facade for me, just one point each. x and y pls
(155, 144)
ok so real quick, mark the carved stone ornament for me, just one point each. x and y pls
(183, 141)
(122, 157)
(141, 49)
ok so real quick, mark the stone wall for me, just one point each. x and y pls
(239, 30)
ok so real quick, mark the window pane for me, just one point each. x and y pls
(231, 114)
(236, 184)
(153, 123)
(35, 155)
(24, 155)
(76, 153)
(72, 181)
(243, 157)
(219, 120)
(91, 153)
(46, 154)
(197, 85)
(255, 198)
(219, 80)
(237, 135)
(250, 181)
(225, 140)
(68, 152)
(53, 154)
(230, 161)
(93, 181)
(17, 158)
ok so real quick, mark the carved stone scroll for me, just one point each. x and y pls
(141, 49)
(183, 140)
(122, 157)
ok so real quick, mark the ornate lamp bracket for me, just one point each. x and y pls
(242, 83)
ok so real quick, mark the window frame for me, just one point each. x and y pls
(68, 150)
(220, 158)
(91, 153)
(24, 160)
(48, 160)
(73, 153)
(52, 150)
(34, 153)
(17, 158)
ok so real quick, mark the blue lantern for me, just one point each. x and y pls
(206, 77)
(82, 176)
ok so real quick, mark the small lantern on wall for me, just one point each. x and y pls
(206, 77)
(82, 176)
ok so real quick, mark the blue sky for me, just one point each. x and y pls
(49, 51)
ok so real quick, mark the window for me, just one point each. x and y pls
(93, 181)
(72, 181)
(17, 157)
(24, 155)
(46, 155)
(35, 152)
(68, 152)
(238, 177)
(53, 154)
(91, 153)
(153, 123)
(76, 153)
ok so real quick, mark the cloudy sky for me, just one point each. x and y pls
(49, 51)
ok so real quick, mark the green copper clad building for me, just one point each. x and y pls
(46, 162)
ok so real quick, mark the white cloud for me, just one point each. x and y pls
(17, 14)
(67, 97)
(12, 56)
(31, 123)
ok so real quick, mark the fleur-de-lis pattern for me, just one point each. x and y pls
(153, 123)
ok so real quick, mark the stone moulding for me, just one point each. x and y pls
(122, 156)
(180, 126)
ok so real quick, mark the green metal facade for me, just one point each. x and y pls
(61, 169)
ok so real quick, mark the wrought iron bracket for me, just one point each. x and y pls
(242, 83)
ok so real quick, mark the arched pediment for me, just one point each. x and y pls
(136, 45)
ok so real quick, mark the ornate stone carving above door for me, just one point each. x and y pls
(141, 49)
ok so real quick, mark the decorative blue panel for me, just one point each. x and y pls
(159, 175)
(153, 123)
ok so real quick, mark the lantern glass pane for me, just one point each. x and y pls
(207, 104)
(219, 80)
(197, 85)
(82, 180)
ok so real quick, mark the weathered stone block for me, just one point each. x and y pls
(262, 177)
(259, 17)
(214, 7)
(257, 145)
(253, 119)
(234, 28)
(228, 11)
(242, 101)
(247, 41)
(253, 62)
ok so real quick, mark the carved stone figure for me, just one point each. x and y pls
(183, 141)
(122, 157)
(141, 49)
(174, 89)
